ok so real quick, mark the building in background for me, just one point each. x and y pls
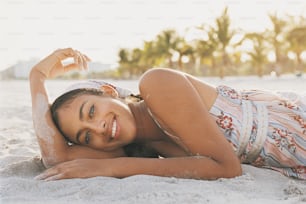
(21, 69)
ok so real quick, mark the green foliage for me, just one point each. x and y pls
(215, 53)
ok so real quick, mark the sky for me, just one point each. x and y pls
(34, 28)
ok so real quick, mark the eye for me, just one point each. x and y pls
(87, 137)
(91, 111)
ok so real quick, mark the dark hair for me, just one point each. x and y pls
(131, 150)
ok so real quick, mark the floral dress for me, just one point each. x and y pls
(265, 129)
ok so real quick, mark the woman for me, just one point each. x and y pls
(200, 131)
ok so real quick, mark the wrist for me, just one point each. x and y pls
(122, 167)
(37, 74)
(46, 65)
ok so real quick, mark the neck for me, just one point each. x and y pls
(146, 128)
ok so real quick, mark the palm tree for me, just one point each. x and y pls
(135, 61)
(123, 56)
(224, 35)
(124, 68)
(183, 49)
(276, 37)
(259, 53)
(297, 41)
(207, 45)
(149, 55)
(166, 43)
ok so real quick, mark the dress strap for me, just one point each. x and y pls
(254, 130)
(262, 129)
(247, 123)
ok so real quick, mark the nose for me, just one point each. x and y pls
(98, 127)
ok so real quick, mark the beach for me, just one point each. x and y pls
(19, 161)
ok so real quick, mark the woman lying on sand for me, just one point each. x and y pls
(182, 127)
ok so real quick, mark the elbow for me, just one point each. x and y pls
(49, 161)
(233, 170)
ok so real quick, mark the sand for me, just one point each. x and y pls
(19, 163)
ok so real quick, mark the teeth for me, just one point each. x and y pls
(114, 128)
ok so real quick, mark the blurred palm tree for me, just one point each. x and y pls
(149, 55)
(259, 53)
(135, 61)
(206, 47)
(277, 39)
(124, 68)
(123, 56)
(297, 41)
(215, 47)
(166, 43)
(183, 49)
(224, 34)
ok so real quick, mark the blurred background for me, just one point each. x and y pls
(217, 38)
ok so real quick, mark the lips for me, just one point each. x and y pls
(113, 129)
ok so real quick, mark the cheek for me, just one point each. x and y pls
(97, 143)
(128, 126)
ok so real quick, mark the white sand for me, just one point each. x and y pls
(19, 164)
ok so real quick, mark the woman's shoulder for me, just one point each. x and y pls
(164, 77)
(167, 84)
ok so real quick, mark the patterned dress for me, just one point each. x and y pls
(265, 129)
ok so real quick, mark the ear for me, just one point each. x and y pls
(109, 90)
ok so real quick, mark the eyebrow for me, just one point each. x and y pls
(81, 111)
(81, 118)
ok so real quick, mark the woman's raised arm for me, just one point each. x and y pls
(54, 148)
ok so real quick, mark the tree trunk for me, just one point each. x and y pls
(170, 62)
(259, 71)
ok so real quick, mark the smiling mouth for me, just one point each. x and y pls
(114, 128)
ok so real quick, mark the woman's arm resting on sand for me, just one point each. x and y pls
(54, 148)
(181, 167)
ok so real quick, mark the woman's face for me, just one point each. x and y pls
(99, 122)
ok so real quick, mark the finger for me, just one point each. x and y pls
(68, 52)
(87, 58)
(62, 54)
(71, 67)
(76, 57)
(85, 66)
(55, 177)
(46, 174)
(79, 60)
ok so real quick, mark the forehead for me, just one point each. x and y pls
(73, 106)
(78, 100)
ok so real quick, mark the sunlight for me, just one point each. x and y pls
(271, 57)
(303, 56)
(244, 57)
(291, 55)
(185, 59)
(175, 56)
(247, 45)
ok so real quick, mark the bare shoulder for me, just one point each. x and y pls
(157, 81)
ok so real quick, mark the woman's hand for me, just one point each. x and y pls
(79, 168)
(52, 65)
